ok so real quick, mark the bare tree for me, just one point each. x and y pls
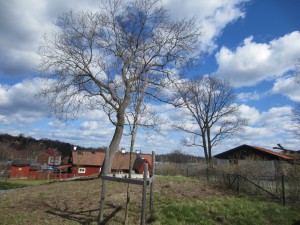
(209, 102)
(6, 154)
(296, 119)
(138, 115)
(95, 58)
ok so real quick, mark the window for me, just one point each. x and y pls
(81, 170)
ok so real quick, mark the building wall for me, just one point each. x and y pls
(19, 172)
(32, 174)
(85, 170)
(54, 160)
(43, 158)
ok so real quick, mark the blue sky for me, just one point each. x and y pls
(253, 43)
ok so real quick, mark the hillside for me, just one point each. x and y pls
(178, 200)
(22, 142)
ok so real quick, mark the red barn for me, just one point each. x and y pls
(121, 162)
(138, 165)
(20, 169)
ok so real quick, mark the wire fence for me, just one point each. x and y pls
(280, 188)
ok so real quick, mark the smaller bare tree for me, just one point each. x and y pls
(209, 104)
(138, 115)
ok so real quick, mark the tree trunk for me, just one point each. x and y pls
(204, 146)
(209, 148)
(115, 142)
(133, 136)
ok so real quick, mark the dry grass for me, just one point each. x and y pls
(77, 202)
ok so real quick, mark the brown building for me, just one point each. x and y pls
(49, 157)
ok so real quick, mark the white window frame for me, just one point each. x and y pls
(81, 170)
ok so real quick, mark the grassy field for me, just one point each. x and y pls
(20, 183)
(178, 200)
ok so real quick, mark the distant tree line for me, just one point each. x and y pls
(21, 142)
(178, 156)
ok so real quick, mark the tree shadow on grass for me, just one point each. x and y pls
(84, 217)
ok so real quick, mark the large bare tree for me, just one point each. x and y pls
(95, 58)
(296, 119)
(209, 103)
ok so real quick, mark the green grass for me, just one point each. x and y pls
(229, 210)
(20, 183)
(177, 200)
(220, 210)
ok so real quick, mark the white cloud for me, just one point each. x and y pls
(19, 104)
(254, 62)
(90, 125)
(56, 124)
(288, 86)
(247, 96)
(214, 16)
(22, 24)
(250, 113)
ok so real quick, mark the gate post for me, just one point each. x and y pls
(152, 185)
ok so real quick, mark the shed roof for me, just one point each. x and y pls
(63, 167)
(53, 152)
(20, 162)
(229, 153)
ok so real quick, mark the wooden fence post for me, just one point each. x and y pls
(238, 184)
(152, 185)
(143, 214)
(283, 189)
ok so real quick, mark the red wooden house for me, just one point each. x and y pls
(86, 163)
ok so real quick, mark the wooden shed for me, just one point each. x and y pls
(244, 152)
(20, 169)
